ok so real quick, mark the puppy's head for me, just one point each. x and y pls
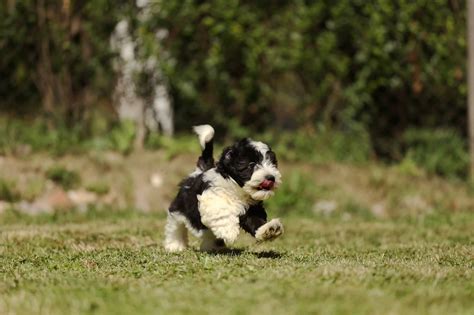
(253, 165)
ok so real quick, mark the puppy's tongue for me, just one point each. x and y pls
(267, 184)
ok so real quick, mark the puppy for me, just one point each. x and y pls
(218, 199)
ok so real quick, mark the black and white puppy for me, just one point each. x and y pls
(218, 199)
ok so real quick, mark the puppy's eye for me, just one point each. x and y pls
(251, 165)
(272, 157)
(242, 166)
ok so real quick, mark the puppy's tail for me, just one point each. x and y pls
(206, 135)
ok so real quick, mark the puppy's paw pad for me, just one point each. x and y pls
(269, 231)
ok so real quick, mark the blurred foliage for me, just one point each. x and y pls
(121, 137)
(321, 146)
(382, 65)
(65, 178)
(8, 190)
(438, 151)
(294, 196)
(99, 187)
(37, 136)
(20, 137)
(56, 56)
(435, 151)
(321, 79)
(174, 146)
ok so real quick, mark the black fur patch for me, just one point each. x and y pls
(238, 161)
(254, 218)
(206, 160)
(186, 202)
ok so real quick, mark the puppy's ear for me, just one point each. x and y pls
(227, 155)
(225, 161)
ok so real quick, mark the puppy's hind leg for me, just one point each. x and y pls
(176, 234)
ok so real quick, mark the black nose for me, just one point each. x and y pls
(270, 177)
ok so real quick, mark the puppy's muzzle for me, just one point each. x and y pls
(268, 183)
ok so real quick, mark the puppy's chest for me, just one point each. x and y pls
(223, 201)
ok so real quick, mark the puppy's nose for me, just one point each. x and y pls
(270, 177)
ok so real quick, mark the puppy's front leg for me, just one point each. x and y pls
(254, 221)
(225, 228)
(221, 216)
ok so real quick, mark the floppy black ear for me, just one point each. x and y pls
(227, 156)
(225, 161)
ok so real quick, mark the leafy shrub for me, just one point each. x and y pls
(38, 136)
(174, 146)
(321, 146)
(122, 136)
(288, 65)
(281, 65)
(33, 188)
(8, 191)
(295, 196)
(61, 140)
(62, 176)
(100, 187)
(439, 151)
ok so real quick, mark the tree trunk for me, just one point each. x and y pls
(470, 32)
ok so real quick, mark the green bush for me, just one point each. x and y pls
(270, 66)
(296, 195)
(63, 177)
(439, 151)
(60, 140)
(122, 136)
(322, 145)
(383, 65)
(61, 70)
(174, 146)
(8, 191)
(100, 187)
(37, 136)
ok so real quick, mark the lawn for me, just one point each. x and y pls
(109, 262)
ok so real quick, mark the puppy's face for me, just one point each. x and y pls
(253, 165)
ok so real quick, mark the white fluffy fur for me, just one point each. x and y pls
(176, 235)
(221, 205)
(260, 146)
(205, 133)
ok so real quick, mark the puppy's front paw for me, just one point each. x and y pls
(269, 231)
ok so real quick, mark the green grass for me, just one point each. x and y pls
(110, 262)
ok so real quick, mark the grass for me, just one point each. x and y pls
(110, 262)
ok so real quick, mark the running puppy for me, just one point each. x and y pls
(218, 199)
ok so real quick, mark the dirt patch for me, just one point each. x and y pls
(143, 180)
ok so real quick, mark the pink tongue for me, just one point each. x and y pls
(267, 184)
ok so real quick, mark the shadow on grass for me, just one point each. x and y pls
(239, 251)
